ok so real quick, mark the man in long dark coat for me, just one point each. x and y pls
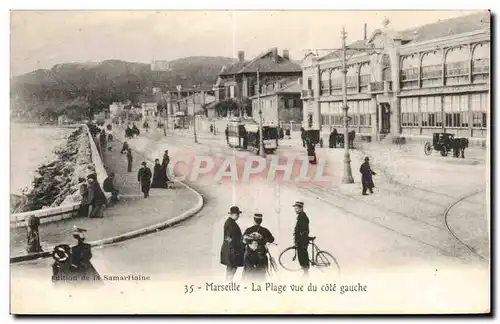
(144, 177)
(130, 159)
(159, 178)
(164, 163)
(311, 151)
(232, 250)
(333, 139)
(301, 236)
(366, 176)
(97, 199)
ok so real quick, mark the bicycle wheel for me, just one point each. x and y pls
(288, 259)
(272, 269)
(326, 261)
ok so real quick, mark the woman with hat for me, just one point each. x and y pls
(366, 176)
(262, 236)
(232, 249)
(81, 254)
(61, 268)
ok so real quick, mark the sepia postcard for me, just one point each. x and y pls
(250, 162)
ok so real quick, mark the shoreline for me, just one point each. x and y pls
(55, 183)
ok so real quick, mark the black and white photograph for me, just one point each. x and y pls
(250, 162)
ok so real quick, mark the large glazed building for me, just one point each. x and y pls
(434, 78)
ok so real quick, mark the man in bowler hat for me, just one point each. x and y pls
(232, 249)
(144, 177)
(366, 176)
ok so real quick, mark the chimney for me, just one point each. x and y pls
(366, 27)
(275, 54)
(241, 56)
(286, 54)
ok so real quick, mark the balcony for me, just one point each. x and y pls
(380, 87)
(308, 93)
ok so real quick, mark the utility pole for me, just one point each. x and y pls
(347, 178)
(261, 141)
(194, 114)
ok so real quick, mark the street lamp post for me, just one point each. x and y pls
(347, 178)
(261, 141)
(178, 87)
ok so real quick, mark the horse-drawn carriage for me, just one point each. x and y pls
(446, 142)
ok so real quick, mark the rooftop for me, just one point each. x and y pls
(263, 62)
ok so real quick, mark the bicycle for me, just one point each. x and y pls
(272, 268)
(318, 258)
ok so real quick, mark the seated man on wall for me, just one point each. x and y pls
(108, 186)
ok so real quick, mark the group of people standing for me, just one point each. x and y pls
(249, 249)
(156, 179)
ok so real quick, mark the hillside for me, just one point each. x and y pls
(43, 94)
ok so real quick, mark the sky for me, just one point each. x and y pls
(41, 39)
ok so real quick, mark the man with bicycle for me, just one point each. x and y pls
(260, 236)
(301, 236)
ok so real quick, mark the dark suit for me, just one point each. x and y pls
(231, 254)
(366, 177)
(301, 238)
(144, 177)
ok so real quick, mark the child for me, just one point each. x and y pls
(254, 266)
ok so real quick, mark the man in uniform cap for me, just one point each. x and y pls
(144, 177)
(231, 254)
(261, 236)
(301, 236)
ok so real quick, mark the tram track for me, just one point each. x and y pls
(452, 234)
(336, 194)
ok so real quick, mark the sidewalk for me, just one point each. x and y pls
(131, 213)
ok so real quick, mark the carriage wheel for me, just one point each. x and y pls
(428, 148)
(444, 151)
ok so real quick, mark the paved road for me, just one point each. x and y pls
(383, 239)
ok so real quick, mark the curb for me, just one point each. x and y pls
(132, 234)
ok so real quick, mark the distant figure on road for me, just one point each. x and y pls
(144, 178)
(125, 148)
(332, 141)
(97, 199)
(84, 198)
(81, 254)
(366, 176)
(146, 126)
(232, 250)
(227, 134)
(281, 133)
(109, 186)
(303, 136)
(288, 133)
(135, 130)
(311, 150)
(211, 128)
(301, 236)
(130, 159)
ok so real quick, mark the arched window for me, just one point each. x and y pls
(336, 80)
(325, 82)
(432, 68)
(352, 78)
(409, 68)
(364, 76)
(481, 63)
(457, 65)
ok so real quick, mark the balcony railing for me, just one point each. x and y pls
(308, 93)
(481, 66)
(380, 87)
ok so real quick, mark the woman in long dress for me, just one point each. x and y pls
(81, 254)
(159, 178)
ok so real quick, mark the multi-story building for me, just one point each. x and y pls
(434, 78)
(240, 79)
(279, 102)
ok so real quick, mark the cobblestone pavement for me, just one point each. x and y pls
(131, 213)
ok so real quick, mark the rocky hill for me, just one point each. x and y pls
(88, 87)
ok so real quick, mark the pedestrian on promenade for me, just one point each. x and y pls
(130, 159)
(164, 163)
(84, 198)
(211, 128)
(261, 235)
(303, 136)
(108, 186)
(81, 254)
(144, 178)
(311, 150)
(227, 134)
(288, 133)
(125, 148)
(159, 176)
(97, 199)
(366, 176)
(301, 236)
(232, 249)
(332, 142)
(146, 126)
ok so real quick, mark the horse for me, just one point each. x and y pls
(459, 145)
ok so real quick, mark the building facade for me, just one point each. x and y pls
(434, 78)
(240, 79)
(280, 102)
